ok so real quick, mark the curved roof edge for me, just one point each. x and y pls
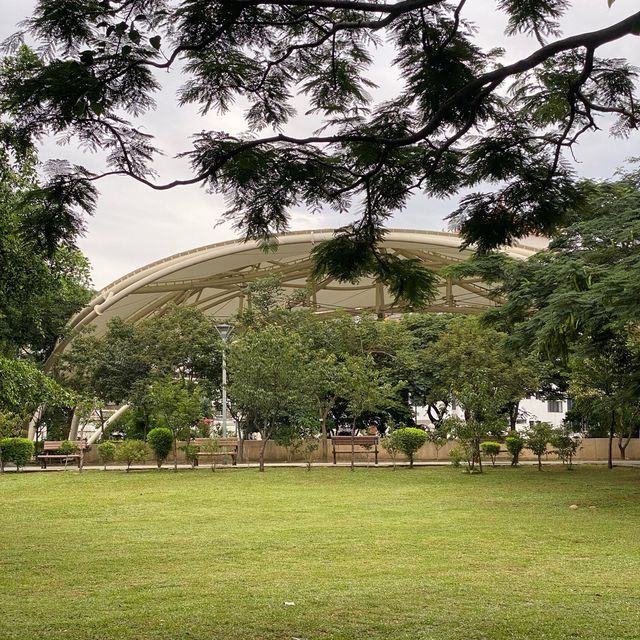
(134, 281)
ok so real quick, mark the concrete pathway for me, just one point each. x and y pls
(302, 465)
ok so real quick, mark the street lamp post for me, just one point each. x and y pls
(224, 330)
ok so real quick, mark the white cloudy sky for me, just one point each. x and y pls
(134, 225)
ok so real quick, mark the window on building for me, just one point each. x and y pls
(569, 404)
(554, 406)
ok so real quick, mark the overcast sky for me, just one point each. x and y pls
(135, 225)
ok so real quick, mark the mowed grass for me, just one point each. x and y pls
(422, 553)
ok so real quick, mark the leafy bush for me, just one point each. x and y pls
(514, 444)
(457, 456)
(131, 451)
(491, 449)
(67, 448)
(408, 441)
(107, 452)
(191, 454)
(160, 440)
(19, 451)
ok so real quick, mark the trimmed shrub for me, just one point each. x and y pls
(490, 449)
(107, 452)
(514, 444)
(131, 451)
(18, 451)
(160, 440)
(408, 441)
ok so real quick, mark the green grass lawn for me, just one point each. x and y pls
(422, 553)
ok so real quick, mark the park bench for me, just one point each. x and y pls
(228, 447)
(361, 444)
(50, 448)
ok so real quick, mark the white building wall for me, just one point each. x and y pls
(531, 410)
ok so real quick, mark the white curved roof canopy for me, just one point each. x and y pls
(213, 278)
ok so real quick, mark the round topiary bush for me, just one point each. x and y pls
(160, 440)
(491, 449)
(408, 441)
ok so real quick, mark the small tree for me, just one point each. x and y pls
(131, 451)
(537, 438)
(514, 444)
(308, 429)
(191, 454)
(469, 434)
(177, 407)
(408, 441)
(308, 448)
(491, 449)
(160, 440)
(438, 438)
(566, 445)
(212, 447)
(67, 448)
(107, 452)
(391, 447)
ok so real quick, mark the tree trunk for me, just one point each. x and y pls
(539, 462)
(175, 451)
(513, 414)
(622, 445)
(411, 461)
(263, 446)
(323, 431)
(145, 414)
(353, 445)
(611, 434)
(240, 444)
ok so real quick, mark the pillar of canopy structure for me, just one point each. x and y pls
(31, 433)
(93, 438)
(75, 422)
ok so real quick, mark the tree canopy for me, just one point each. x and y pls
(464, 116)
(576, 304)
